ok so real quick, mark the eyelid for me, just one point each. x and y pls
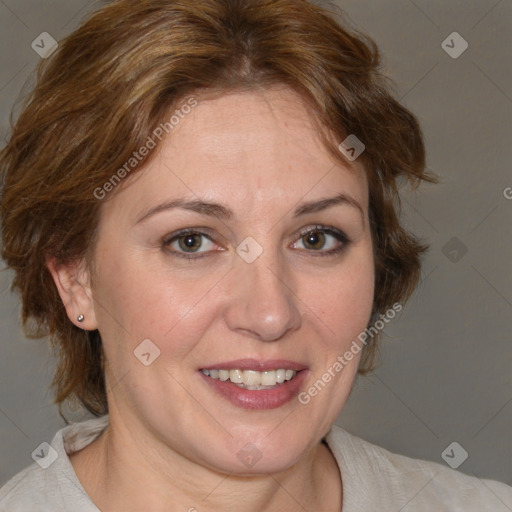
(206, 232)
(327, 229)
(340, 235)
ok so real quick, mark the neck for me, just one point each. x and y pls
(123, 470)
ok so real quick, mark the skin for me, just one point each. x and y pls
(258, 154)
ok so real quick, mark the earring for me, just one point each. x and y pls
(80, 317)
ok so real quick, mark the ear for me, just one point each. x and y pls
(74, 286)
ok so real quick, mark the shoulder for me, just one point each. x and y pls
(374, 476)
(14, 496)
(51, 484)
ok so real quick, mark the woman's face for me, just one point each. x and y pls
(275, 274)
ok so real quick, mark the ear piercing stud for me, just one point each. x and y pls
(80, 317)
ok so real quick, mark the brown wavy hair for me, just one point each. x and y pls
(116, 78)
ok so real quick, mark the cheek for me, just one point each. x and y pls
(343, 303)
(137, 301)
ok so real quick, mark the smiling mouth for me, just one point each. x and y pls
(252, 379)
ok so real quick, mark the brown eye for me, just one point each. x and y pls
(188, 244)
(314, 240)
(325, 241)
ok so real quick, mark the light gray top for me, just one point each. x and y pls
(373, 479)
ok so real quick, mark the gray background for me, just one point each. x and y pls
(446, 362)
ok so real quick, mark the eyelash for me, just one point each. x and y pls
(329, 230)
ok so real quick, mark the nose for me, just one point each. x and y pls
(261, 299)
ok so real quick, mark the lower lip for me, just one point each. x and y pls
(258, 398)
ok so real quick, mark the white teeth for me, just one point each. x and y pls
(252, 379)
(223, 374)
(235, 376)
(280, 376)
(268, 378)
(289, 374)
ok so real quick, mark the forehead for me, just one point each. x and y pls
(250, 149)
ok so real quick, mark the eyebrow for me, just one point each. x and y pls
(223, 212)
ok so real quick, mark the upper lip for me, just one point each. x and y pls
(256, 364)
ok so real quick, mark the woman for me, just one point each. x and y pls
(200, 208)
